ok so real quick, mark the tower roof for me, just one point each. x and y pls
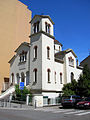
(66, 51)
(57, 42)
(42, 16)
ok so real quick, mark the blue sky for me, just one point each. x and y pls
(72, 22)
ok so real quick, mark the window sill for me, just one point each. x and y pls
(34, 59)
(48, 58)
(49, 82)
(34, 83)
(71, 65)
(23, 62)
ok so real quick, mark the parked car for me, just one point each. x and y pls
(70, 101)
(85, 103)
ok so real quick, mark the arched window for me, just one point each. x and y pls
(48, 53)
(47, 27)
(22, 77)
(60, 78)
(55, 77)
(54, 47)
(12, 75)
(59, 48)
(27, 78)
(36, 27)
(72, 76)
(35, 75)
(35, 52)
(71, 61)
(48, 75)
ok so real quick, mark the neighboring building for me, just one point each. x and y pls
(5, 84)
(14, 29)
(42, 65)
(86, 61)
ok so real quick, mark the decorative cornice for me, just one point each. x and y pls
(80, 67)
(59, 60)
(43, 33)
(36, 91)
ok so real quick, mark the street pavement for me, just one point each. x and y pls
(15, 112)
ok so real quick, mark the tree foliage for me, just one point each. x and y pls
(21, 94)
(70, 88)
(80, 87)
(84, 82)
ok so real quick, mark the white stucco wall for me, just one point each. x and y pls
(37, 63)
(47, 63)
(52, 65)
(16, 67)
(57, 48)
(49, 22)
(70, 69)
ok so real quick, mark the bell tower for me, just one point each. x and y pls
(41, 52)
(42, 23)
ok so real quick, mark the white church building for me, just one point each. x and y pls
(42, 64)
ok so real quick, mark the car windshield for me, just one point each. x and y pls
(86, 99)
(66, 97)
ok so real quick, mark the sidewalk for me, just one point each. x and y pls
(15, 106)
(10, 105)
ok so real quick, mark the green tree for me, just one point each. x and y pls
(84, 82)
(21, 94)
(70, 88)
(80, 87)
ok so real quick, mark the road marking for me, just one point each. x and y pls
(53, 110)
(78, 111)
(84, 113)
(61, 111)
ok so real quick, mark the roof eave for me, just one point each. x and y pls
(42, 16)
(24, 43)
(12, 59)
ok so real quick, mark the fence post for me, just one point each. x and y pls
(27, 99)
